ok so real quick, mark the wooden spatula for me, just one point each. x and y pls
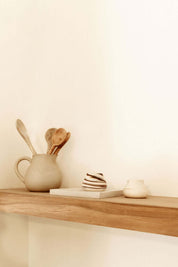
(48, 136)
(62, 144)
(58, 138)
(23, 132)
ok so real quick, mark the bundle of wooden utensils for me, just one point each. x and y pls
(55, 138)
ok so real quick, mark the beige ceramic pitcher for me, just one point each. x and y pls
(42, 174)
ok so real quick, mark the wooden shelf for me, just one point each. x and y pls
(154, 214)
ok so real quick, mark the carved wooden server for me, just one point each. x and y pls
(154, 214)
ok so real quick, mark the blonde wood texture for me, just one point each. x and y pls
(63, 143)
(154, 214)
(48, 137)
(23, 132)
(58, 138)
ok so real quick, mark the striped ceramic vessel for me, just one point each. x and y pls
(94, 182)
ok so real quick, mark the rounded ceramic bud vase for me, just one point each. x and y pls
(135, 189)
(43, 173)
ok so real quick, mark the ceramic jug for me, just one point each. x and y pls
(42, 174)
(135, 189)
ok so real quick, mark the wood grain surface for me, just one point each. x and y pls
(154, 214)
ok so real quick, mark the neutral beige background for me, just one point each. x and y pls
(107, 72)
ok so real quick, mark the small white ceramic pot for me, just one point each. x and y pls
(135, 189)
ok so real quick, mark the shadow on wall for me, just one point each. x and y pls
(73, 171)
(13, 244)
(60, 236)
(77, 244)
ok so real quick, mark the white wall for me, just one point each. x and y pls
(13, 240)
(106, 71)
(14, 81)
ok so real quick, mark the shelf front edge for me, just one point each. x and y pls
(151, 219)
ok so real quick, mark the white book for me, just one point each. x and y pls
(79, 192)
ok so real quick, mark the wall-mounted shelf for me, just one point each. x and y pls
(154, 215)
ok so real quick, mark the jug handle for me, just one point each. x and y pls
(20, 176)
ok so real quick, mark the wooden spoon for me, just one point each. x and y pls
(63, 143)
(48, 136)
(57, 138)
(23, 132)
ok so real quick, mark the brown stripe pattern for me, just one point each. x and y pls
(94, 182)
